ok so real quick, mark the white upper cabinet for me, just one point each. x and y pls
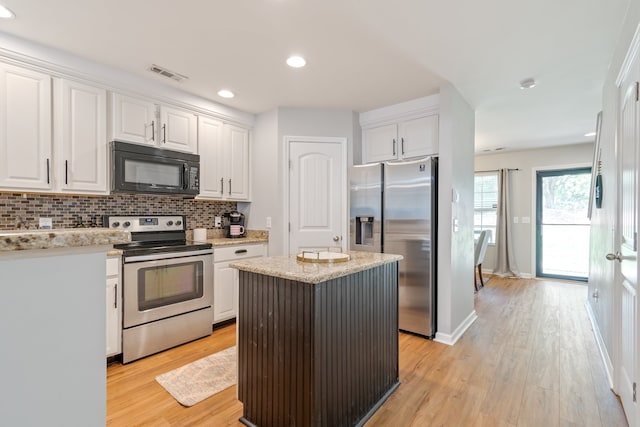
(237, 145)
(133, 120)
(136, 120)
(80, 137)
(224, 160)
(178, 129)
(401, 131)
(211, 162)
(418, 137)
(403, 140)
(25, 129)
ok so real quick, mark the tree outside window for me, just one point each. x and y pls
(485, 214)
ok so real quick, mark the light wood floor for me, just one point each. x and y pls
(529, 360)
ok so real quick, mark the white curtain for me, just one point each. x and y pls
(505, 256)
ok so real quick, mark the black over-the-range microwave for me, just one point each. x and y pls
(149, 170)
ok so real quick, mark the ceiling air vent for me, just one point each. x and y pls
(167, 73)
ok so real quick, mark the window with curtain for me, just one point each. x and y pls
(485, 204)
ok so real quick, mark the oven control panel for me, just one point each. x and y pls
(147, 223)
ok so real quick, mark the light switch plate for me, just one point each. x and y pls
(268, 222)
(526, 220)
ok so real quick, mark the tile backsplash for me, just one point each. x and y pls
(64, 210)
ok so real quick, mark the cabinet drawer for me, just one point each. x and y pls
(231, 253)
(113, 266)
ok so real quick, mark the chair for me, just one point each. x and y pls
(480, 251)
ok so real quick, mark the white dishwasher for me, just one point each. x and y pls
(225, 278)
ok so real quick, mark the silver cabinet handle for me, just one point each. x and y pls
(164, 133)
(394, 146)
(402, 145)
(115, 296)
(221, 186)
(48, 175)
(153, 130)
(229, 186)
(241, 251)
(66, 172)
(614, 257)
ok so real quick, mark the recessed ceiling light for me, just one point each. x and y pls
(527, 83)
(296, 62)
(6, 13)
(226, 93)
(590, 134)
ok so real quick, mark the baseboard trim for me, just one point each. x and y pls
(451, 339)
(604, 355)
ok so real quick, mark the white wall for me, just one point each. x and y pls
(523, 192)
(269, 165)
(601, 275)
(455, 248)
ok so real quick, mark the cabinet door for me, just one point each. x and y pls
(25, 129)
(380, 143)
(418, 137)
(237, 178)
(178, 130)
(211, 158)
(133, 120)
(80, 137)
(113, 316)
(225, 291)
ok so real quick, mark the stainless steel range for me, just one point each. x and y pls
(166, 284)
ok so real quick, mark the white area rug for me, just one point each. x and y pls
(198, 380)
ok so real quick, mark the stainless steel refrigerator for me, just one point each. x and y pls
(394, 210)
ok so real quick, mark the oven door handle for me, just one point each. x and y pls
(168, 255)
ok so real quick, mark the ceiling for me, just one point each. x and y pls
(361, 55)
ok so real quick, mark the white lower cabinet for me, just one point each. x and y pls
(114, 304)
(225, 278)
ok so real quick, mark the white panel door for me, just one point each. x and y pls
(80, 137)
(627, 235)
(25, 129)
(179, 130)
(133, 120)
(210, 149)
(317, 188)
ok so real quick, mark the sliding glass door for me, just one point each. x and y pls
(562, 226)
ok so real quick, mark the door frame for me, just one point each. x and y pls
(287, 141)
(537, 267)
(534, 213)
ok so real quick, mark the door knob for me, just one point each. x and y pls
(613, 257)
(336, 238)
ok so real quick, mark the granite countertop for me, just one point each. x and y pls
(288, 267)
(217, 237)
(19, 240)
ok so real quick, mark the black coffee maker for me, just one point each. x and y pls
(233, 223)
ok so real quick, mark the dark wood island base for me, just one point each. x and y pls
(317, 354)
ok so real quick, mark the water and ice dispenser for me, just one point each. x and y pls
(364, 230)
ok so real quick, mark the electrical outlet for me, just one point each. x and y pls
(45, 223)
(217, 222)
(268, 222)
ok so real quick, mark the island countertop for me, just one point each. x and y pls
(20, 240)
(288, 267)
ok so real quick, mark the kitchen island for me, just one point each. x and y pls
(317, 342)
(52, 362)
